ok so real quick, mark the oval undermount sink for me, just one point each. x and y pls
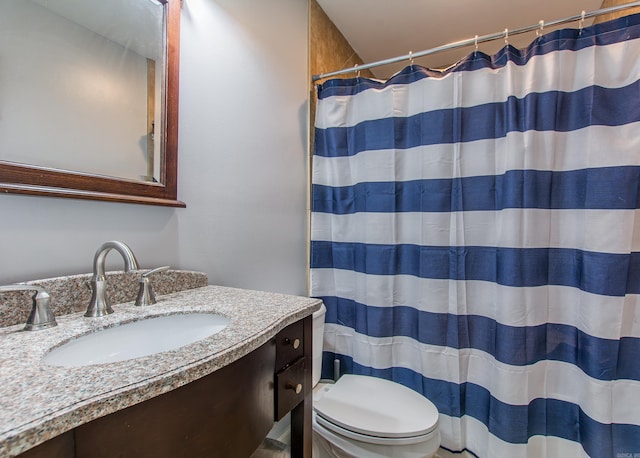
(136, 339)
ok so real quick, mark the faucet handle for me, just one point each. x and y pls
(41, 316)
(146, 296)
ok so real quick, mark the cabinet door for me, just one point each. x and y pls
(61, 446)
(225, 414)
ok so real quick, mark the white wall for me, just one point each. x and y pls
(243, 138)
(242, 169)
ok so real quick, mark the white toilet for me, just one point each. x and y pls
(367, 417)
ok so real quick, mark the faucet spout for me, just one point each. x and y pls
(99, 305)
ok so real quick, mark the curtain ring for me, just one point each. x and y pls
(357, 71)
(582, 22)
(475, 42)
(506, 36)
(539, 31)
(411, 59)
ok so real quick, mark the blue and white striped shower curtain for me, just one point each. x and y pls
(474, 238)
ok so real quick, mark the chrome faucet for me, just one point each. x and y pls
(41, 316)
(99, 305)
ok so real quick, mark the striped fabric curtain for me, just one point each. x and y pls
(474, 238)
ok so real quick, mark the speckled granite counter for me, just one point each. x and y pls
(38, 402)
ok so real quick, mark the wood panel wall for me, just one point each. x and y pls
(608, 17)
(328, 51)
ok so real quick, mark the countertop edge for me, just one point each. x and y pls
(31, 434)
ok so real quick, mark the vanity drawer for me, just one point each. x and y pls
(290, 387)
(289, 345)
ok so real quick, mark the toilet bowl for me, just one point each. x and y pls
(366, 417)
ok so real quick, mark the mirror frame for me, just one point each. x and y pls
(41, 181)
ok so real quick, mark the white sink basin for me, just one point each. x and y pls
(136, 339)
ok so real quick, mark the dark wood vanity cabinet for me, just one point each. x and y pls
(225, 414)
(293, 368)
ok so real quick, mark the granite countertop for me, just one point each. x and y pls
(38, 402)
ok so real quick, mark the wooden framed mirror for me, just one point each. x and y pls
(154, 183)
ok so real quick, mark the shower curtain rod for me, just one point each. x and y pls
(476, 40)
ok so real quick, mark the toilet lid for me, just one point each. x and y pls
(377, 407)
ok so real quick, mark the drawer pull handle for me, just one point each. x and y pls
(295, 343)
(297, 388)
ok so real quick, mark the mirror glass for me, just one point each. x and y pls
(80, 85)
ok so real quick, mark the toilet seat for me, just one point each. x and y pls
(376, 411)
(395, 441)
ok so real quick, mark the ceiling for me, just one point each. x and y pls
(382, 29)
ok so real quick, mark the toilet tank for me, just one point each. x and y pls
(318, 336)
